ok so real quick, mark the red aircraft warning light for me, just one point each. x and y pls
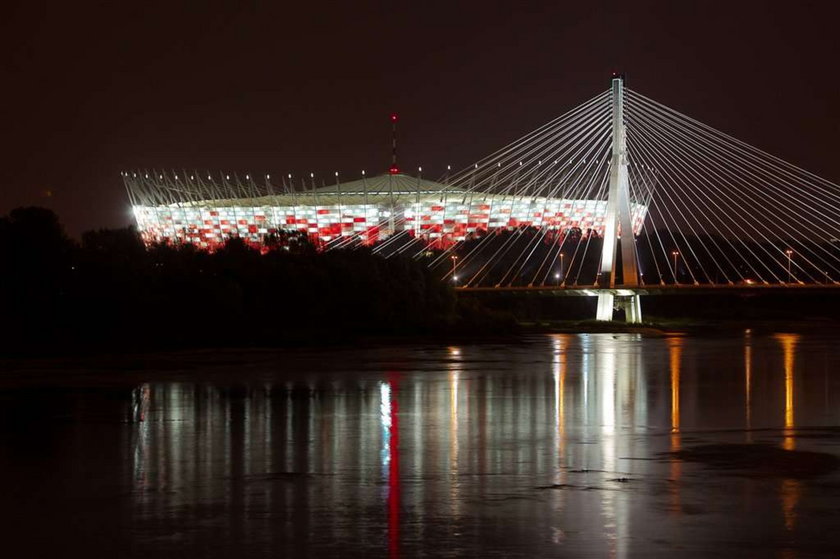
(394, 117)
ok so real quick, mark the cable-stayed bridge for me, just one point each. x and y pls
(708, 212)
(617, 198)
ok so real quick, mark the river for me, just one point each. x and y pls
(569, 445)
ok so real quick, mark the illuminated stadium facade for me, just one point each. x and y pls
(206, 212)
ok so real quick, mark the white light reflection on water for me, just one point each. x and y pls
(459, 451)
(455, 483)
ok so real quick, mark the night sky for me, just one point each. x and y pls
(90, 89)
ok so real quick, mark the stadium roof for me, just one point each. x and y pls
(387, 183)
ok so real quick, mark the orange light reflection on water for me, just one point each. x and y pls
(675, 346)
(788, 343)
(790, 489)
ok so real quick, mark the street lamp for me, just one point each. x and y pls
(557, 279)
(454, 264)
(789, 255)
(675, 254)
(562, 270)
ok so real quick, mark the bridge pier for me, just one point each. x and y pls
(606, 305)
(630, 304)
(632, 309)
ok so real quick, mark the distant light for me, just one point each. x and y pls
(176, 177)
(147, 176)
(227, 177)
(363, 172)
(290, 175)
(267, 176)
(419, 169)
(161, 176)
(476, 165)
(134, 174)
(247, 177)
(498, 164)
(448, 167)
(539, 162)
(192, 177)
(208, 178)
(394, 117)
(394, 170)
(520, 163)
(454, 278)
(336, 173)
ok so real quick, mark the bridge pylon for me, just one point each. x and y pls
(618, 224)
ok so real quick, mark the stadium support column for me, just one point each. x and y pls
(618, 218)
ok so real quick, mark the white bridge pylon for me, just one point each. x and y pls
(618, 220)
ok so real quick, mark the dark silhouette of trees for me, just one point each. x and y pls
(111, 291)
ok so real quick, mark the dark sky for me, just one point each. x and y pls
(92, 88)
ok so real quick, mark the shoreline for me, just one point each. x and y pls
(657, 327)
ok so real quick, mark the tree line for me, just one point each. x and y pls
(111, 291)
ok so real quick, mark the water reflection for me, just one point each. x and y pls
(559, 446)
(748, 382)
(454, 481)
(788, 343)
(791, 488)
(675, 347)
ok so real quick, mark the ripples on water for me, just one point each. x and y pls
(560, 445)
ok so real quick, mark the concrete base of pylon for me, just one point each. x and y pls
(630, 304)
(606, 304)
(632, 309)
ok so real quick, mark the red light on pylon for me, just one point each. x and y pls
(394, 170)
(394, 117)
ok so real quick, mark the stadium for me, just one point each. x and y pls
(206, 211)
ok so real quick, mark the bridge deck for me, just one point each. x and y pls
(671, 289)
